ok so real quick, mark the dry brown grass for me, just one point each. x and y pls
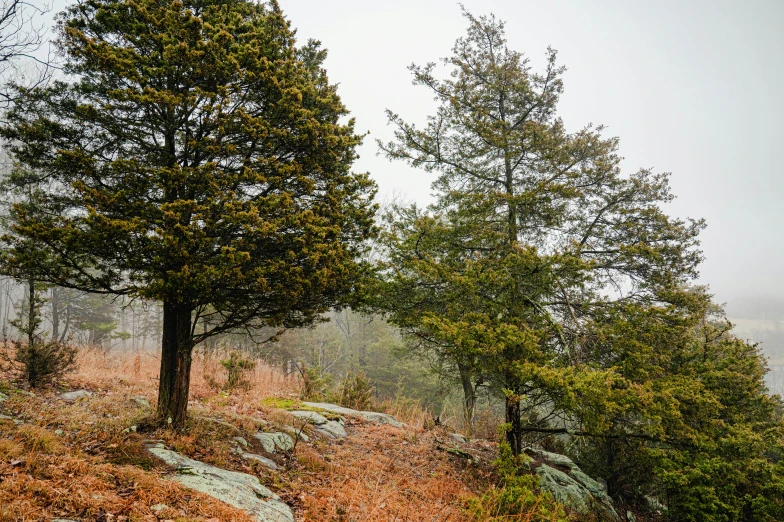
(42, 487)
(138, 373)
(44, 476)
(94, 469)
(383, 474)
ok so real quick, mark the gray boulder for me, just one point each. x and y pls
(371, 416)
(141, 401)
(76, 395)
(240, 490)
(271, 441)
(559, 475)
(297, 433)
(329, 428)
(267, 463)
(462, 439)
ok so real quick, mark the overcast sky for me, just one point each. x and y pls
(692, 87)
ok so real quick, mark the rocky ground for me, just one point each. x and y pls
(86, 451)
(82, 451)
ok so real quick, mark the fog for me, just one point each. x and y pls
(691, 88)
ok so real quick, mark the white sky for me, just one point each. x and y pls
(692, 87)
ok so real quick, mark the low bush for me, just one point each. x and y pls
(355, 391)
(517, 495)
(40, 362)
(238, 368)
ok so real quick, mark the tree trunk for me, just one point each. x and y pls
(67, 322)
(32, 316)
(55, 314)
(469, 395)
(514, 435)
(176, 348)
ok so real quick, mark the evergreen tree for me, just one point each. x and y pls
(199, 159)
(544, 271)
(535, 229)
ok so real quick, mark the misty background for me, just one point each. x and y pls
(690, 87)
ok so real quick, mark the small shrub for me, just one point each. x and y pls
(314, 383)
(238, 368)
(42, 362)
(517, 495)
(355, 391)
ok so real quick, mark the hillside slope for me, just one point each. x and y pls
(84, 456)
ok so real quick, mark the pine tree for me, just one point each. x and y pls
(199, 159)
(534, 231)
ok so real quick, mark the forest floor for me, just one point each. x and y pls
(79, 459)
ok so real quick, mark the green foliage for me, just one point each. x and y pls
(32, 357)
(355, 391)
(43, 362)
(237, 366)
(197, 157)
(535, 230)
(545, 273)
(517, 495)
(315, 383)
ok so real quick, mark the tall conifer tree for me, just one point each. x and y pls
(199, 158)
(534, 226)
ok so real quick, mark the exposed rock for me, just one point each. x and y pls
(297, 433)
(459, 438)
(240, 490)
(141, 401)
(75, 395)
(372, 416)
(554, 459)
(130, 429)
(271, 441)
(267, 463)
(329, 428)
(221, 423)
(241, 441)
(59, 433)
(5, 417)
(571, 487)
(266, 441)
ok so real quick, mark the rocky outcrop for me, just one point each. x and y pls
(571, 487)
(264, 461)
(240, 490)
(332, 429)
(141, 401)
(297, 433)
(75, 395)
(371, 416)
(273, 441)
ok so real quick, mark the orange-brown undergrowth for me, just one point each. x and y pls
(383, 473)
(94, 469)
